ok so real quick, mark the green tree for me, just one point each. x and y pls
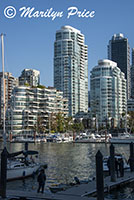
(38, 126)
(68, 123)
(131, 121)
(78, 126)
(60, 123)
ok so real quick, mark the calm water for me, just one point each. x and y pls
(66, 161)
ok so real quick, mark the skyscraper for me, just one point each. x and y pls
(71, 68)
(107, 92)
(119, 52)
(132, 75)
(133, 56)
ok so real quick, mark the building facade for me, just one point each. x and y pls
(130, 105)
(10, 82)
(30, 77)
(107, 92)
(132, 75)
(29, 103)
(119, 52)
(71, 68)
(133, 56)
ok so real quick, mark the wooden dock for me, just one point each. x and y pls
(90, 188)
(77, 192)
(23, 195)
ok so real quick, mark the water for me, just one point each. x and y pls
(65, 161)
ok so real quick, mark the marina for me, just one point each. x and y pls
(67, 117)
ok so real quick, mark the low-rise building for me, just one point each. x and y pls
(30, 103)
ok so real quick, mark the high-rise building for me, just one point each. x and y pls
(10, 83)
(29, 103)
(132, 75)
(107, 92)
(71, 68)
(29, 77)
(119, 52)
(133, 56)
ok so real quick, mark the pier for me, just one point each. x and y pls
(77, 192)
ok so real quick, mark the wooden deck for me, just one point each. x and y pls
(90, 188)
(77, 192)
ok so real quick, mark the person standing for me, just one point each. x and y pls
(41, 180)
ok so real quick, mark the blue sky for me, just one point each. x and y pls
(29, 43)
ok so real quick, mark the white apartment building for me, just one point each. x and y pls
(27, 103)
(107, 92)
(71, 68)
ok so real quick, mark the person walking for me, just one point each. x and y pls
(41, 180)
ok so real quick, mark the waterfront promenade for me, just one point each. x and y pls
(77, 192)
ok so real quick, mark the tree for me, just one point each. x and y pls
(38, 126)
(41, 86)
(68, 123)
(60, 122)
(131, 120)
(78, 126)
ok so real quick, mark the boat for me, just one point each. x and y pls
(117, 156)
(24, 166)
(92, 138)
(22, 139)
(123, 138)
(67, 139)
(58, 187)
(58, 138)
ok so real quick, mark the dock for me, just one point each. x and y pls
(78, 192)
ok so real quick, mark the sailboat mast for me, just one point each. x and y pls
(3, 80)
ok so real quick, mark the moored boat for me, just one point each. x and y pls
(24, 166)
(117, 156)
(124, 138)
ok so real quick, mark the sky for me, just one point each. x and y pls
(29, 42)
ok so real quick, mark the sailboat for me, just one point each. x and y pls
(26, 165)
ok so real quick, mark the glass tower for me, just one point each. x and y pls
(71, 68)
(119, 52)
